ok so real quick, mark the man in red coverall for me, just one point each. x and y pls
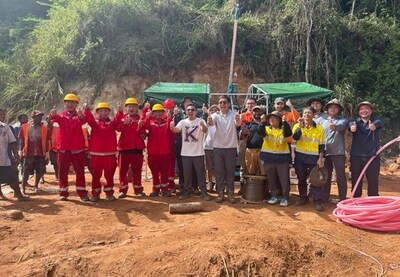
(159, 149)
(169, 106)
(70, 145)
(130, 146)
(103, 148)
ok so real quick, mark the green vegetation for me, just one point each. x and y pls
(350, 46)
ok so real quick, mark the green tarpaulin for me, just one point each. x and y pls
(298, 93)
(160, 91)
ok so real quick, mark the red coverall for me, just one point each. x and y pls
(103, 150)
(71, 149)
(130, 146)
(172, 156)
(159, 151)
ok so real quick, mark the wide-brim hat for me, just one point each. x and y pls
(318, 176)
(309, 101)
(261, 108)
(333, 102)
(366, 103)
(274, 113)
(214, 106)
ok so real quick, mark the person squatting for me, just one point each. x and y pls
(204, 143)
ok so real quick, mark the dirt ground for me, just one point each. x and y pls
(139, 237)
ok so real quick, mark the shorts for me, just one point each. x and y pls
(7, 175)
(209, 158)
(35, 164)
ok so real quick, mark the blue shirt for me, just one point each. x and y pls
(365, 142)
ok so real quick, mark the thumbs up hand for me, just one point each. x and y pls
(238, 116)
(371, 126)
(210, 121)
(289, 104)
(80, 112)
(353, 126)
(332, 125)
(204, 108)
(53, 112)
(176, 110)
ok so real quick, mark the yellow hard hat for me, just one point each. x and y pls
(71, 97)
(157, 107)
(102, 105)
(131, 101)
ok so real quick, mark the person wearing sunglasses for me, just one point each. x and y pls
(193, 135)
(226, 122)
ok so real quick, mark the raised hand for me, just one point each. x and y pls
(289, 104)
(353, 126)
(371, 126)
(238, 116)
(147, 104)
(210, 121)
(263, 118)
(176, 110)
(119, 108)
(80, 112)
(53, 112)
(127, 120)
(204, 108)
(301, 122)
(172, 125)
(332, 125)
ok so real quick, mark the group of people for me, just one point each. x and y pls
(318, 136)
(203, 142)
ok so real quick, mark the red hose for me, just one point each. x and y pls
(378, 213)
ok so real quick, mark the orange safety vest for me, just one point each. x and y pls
(53, 138)
(24, 130)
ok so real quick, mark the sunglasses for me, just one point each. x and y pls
(223, 102)
(190, 110)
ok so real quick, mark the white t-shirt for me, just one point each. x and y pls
(192, 137)
(6, 137)
(225, 130)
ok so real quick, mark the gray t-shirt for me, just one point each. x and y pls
(6, 137)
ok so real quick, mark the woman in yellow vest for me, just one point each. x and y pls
(310, 145)
(275, 155)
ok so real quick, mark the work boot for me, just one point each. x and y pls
(166, 193)
(183, 196)
(220, 197)
(205, 196)
(63, 198)
(110, 198)
(85, 199)
(154, 194)
(231, 198)
(95, 198)
(318, 206)
(301, 202)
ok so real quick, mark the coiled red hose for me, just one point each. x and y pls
(378, 213)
